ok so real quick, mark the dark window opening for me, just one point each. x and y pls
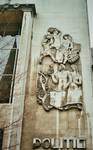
(10, 22)
(10, 28)
(1, 138)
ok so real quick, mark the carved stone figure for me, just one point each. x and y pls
(76, 77)
(59, 84)
(48, 40)
(62, 78)
(67, 41)
(51, 43)
(56, 35)
(61, 49)
(74, 91)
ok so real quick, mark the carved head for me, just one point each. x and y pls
(47, 40)
(67, 37)
(50, 69)
(53, 31)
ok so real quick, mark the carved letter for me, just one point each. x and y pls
(36, 143)
(46, 143)
(81, 143)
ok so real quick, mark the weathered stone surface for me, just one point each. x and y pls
(70, 17)
(56, 123)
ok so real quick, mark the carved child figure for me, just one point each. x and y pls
(51, 44)
(67, 45)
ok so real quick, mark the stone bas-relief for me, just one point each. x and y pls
(59, 83)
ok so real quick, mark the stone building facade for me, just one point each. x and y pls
(49, 104)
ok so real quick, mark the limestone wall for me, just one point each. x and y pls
(70, 17)
(5, 117)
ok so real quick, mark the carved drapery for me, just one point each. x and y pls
(59, 82)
